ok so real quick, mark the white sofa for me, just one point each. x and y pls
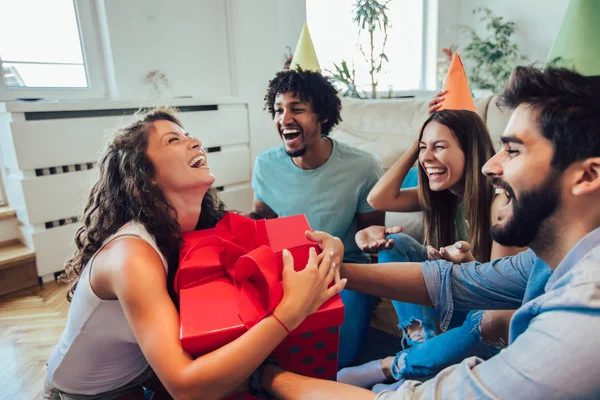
(387, 128)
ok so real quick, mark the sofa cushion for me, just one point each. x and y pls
(387, 128)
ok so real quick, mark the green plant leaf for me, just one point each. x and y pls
(489, 60)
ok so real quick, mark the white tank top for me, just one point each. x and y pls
(97, 352)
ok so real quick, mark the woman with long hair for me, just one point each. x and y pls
(122, 330)
(459, 204)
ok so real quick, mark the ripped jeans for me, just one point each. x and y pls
(426, 351)
(427, 359)
(418, 323)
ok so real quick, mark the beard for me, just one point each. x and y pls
(527, 226)
(296, 153)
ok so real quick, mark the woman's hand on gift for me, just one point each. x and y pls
(306, 290)
(458, 253)
(373, 238)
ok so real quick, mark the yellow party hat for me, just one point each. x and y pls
(305, 56)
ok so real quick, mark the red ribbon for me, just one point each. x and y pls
(234, 249)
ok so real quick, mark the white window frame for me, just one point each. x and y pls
(91, 46)
(428, 85)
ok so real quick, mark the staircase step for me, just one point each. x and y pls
(15, 253)
(7, 212)
(17, 267)
(8, 225)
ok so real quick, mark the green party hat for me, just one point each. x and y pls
(577, 45)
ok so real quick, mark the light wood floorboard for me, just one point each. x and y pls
(31, 320)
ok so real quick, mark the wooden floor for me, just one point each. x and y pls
(31, 321)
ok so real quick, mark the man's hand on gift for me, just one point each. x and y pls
(329, 243)
(373, 238)
(306, 290)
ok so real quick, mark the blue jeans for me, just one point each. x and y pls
(359, 306)
(407, 249)
(427, 359)
(357, 316)
(430, 352)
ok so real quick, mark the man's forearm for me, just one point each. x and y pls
(396, 281)
(287, 385)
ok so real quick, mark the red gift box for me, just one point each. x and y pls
(229, 278)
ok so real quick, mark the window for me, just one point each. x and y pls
(46, 48)
(336, 37)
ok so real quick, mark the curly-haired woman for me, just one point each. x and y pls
(123, 327)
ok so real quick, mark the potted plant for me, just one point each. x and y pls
(489, 60)
(371, 17)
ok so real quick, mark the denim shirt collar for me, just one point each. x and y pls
(585, 245)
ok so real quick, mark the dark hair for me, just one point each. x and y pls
(310, 87)
(441, 208)
(568, 107)
(125, 191)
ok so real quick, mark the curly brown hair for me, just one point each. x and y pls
(125, 191)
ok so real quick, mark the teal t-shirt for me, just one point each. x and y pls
(330, 195)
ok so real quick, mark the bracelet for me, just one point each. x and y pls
(282, 324)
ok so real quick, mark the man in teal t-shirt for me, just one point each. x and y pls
(333, 196)
(325, 179)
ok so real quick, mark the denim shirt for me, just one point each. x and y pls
(554, 338)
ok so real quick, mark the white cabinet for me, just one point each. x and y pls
(48, 153)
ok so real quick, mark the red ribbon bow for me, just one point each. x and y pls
(235, 248)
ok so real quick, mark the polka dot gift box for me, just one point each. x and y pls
(229, 278)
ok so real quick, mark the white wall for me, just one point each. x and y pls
(262, 30)
(206, 48)
(187, 39)
(448, 20)
(233, 47)
(215, 48)
(536, 22)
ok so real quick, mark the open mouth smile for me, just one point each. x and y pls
(436, 173)
(290, 134)
(510, 196)
(198, 162)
